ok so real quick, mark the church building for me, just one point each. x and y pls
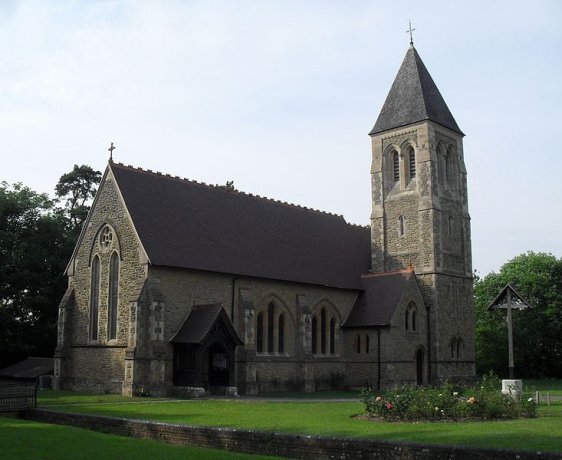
(175, 284)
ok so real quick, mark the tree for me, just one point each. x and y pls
(36, 242)
(33, 253)
(537, 338)
(78, 187)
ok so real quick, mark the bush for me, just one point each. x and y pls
(482, 401)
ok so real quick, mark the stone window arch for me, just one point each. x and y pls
(273, 322)
(323, 333)
(113, 296)
(94, 298)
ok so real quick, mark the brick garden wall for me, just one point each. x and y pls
(279, 444)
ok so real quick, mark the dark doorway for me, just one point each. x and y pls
(419, 366)
(219, 366)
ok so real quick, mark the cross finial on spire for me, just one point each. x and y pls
(410, 30)
(111, 149)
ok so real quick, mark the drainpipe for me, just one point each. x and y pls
(428, 348)
(379, 359)
(232, 300)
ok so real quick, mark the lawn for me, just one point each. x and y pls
(552, 386)
(337, 418)
(23, 439)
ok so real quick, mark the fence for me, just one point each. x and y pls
(17, 396)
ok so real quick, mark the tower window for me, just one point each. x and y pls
(401, 226)
(395, 167)
(412, 162)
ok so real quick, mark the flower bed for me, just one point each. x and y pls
(482, 401)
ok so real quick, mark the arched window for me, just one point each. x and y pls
(449, 170)
(358, 344)
(314, 335)
(366, 343)
(94, 298)
(281, 335)
(323, 331)
(459, 348)
(259, 333)
(401, 226)
(113, 296)
(412, 162)
(395, 166)
(449, 225)
(410, 319)
(270, 328)
(332, 336)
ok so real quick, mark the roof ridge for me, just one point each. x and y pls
(218, 186)
(393, 272)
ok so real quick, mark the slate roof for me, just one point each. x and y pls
(187, 224)
(29, 368)
(199, 323)
(414, 97)
(381, 295)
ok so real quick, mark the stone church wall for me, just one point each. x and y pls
(97, 365)
(265, 371)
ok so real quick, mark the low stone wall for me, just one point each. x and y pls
(279, 444)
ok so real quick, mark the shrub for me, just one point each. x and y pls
(447, 402)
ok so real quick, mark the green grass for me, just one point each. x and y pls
(49, 397)
(336, 418)
(23, 439)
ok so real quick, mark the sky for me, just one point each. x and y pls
(278, 96)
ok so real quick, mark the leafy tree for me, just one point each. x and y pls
(77, 188)
(36, 242)
(537, 338)
(33, 253)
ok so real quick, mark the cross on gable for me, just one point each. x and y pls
(111, 149)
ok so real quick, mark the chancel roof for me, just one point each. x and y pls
(187, 224)
(414, 97)
(382, 293)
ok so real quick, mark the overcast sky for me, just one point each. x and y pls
(279, 96)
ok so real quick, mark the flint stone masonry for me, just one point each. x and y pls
(280, 444)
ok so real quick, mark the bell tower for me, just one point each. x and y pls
(420, 211)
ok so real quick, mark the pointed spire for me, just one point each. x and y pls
(414, 97)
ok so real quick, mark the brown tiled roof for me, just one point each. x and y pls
(187, 224)
(199, 322)
(29, 368)
(414, 97)
(382, 293)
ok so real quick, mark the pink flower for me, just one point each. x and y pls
(378, 398)
(389, 406)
